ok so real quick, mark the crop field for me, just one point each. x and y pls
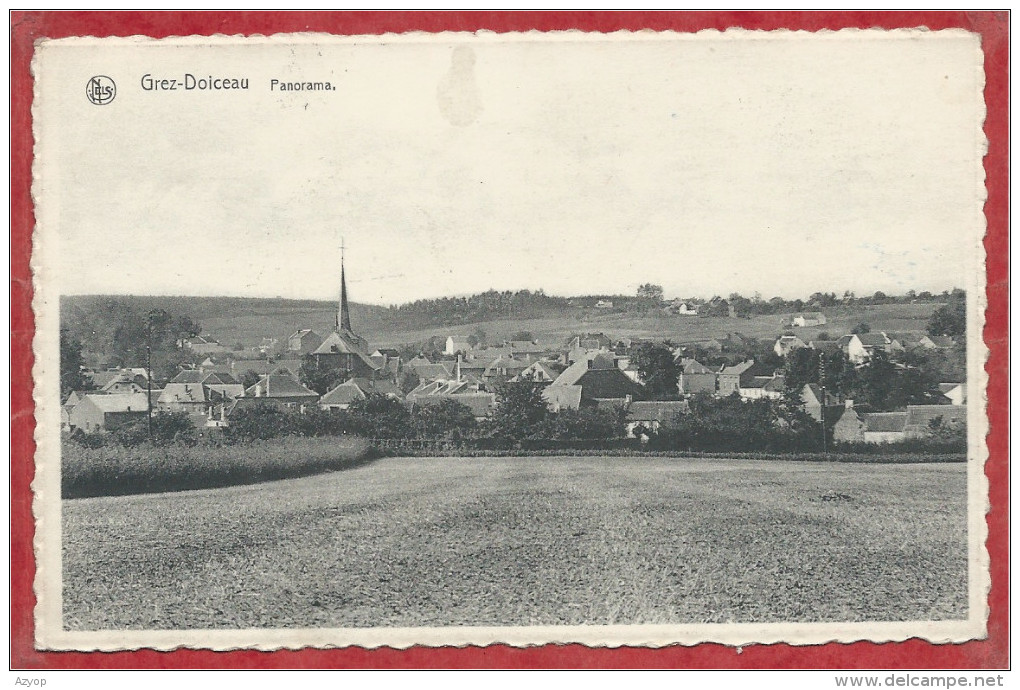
(527, 541)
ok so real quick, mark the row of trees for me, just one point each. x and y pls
(880, 384)
(651, 295)
(521, 417)
(520, 414)
(485, 306)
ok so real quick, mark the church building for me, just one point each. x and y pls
(343, 348)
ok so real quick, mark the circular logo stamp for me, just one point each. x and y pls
(100, 90)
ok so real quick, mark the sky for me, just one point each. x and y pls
(782, 164)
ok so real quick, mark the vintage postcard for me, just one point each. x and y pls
(639, 338)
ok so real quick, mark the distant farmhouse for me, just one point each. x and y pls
(809, 319)
(203, 346)
(917, 421)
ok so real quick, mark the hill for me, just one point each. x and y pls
(235, 320)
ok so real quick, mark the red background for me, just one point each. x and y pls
(26, 27)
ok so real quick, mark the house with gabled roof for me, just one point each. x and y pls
(679, 307)
(937, 342)
(786, 344)
(695, 377)
(922, 420)
(480, 403)
(861, 346)
(457, 343)
(108, 411)
(342, 396)
(762, 387)
(203, 345)
(918, 421)
(125, 383)
(526, 350)
(956, 393)
(652, 414)
(428, 371)
(503, 369)
(261, 367)
(814, 399)
(541, 372)
(729, 377)
(869, 427)
(303, 341)
(596, 382)
(808, 319)
(826, 347)
(281, 389)
(563, 397)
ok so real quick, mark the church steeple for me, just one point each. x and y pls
(343, 319)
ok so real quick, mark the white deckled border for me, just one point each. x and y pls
(46, 485)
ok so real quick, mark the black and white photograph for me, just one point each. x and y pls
(439, 339)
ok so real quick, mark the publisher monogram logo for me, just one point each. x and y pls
(100, 90)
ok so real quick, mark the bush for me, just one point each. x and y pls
(379, 416)
(259, 422)
(114, 471)
(444, 419)
(96, 439)
(733, 425)
(167, 428)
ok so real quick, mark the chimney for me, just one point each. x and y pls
(458, 368)
(849, 404)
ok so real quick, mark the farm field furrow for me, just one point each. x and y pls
(527, 541)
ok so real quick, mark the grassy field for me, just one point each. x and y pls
(512, 541)
(250, 327)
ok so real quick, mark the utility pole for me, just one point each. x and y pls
(148, 372)
(821, 383)
(154, 313)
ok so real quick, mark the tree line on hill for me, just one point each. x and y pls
(522, 304)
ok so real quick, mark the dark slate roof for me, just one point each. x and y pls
(508, 363)
(826, 345)
(432, 371)
(736, 369)
(816, 393)
(884, 421)
(872, 339)
(564, 396)
(184, 393)
(120, 402)
(921, 415)
(480, 404)
(693, 366)
(280, 386)
(607, 383)
(656, 410)
(344, 394)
